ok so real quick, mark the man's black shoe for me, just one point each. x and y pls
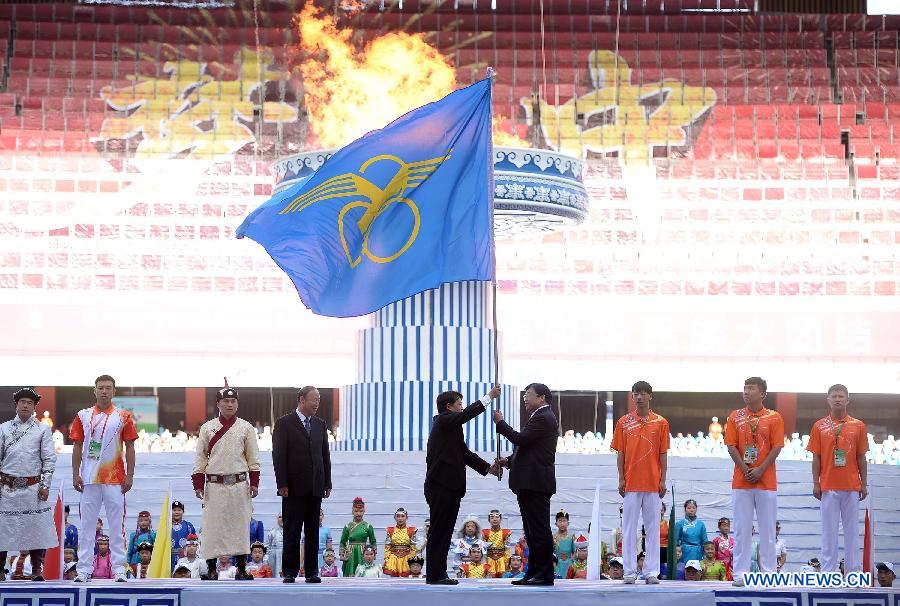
(313, 580)
(521, 581)
(287, 580)
(443, 582)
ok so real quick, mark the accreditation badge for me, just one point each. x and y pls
(751, 455)
(94, 448)
(840, 457)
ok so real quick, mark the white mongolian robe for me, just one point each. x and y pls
(226, 509)
(26, 522)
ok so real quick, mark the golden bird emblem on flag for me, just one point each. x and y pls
(375, 200)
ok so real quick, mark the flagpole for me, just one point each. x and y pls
(492, 74)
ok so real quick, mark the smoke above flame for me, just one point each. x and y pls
(351, 89)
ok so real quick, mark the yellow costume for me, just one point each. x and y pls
(400, 546)
(477, 571)
(497, 543)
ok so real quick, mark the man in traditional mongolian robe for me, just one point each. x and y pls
(226, 477)
(27, 461)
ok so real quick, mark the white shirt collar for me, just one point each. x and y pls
(536, 411)
(301, 416)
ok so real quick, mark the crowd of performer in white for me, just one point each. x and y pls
(226, 475)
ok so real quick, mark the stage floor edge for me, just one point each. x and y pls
(357, 592)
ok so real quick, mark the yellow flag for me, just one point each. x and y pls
(161, 560)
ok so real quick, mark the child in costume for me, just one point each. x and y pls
(102, 561)
(616, 569)
(578, 567)
(498, 541)
(724, 545)
(181, 572)
(415, 564)
(516, 568)
(497, 560)
(257, 567)
(422, 541)
(142, 568)
(224, 569)
(469, 534)
(368, 569)
(476, 567)
(400, 546)
(563, 544)
(197, 566)
(355, 536)
(521, 550)
(143, 533)
(713, 569)
(329, 568)
(690, 533)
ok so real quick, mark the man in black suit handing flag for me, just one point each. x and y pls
(532, 477)
(303, 477)
(445, 479)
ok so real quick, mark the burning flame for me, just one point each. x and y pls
(351, 89)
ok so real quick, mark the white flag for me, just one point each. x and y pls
(595, 538)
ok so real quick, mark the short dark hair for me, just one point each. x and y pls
(541, 390)
(104, 378)
(838, 387)
(447, 398)
(642, 386)
(759, 382)
(304, 391)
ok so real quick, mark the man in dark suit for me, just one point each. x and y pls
(445, 478)
(303, 477)
(532, 477)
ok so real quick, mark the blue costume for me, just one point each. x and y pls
(180, 532)
(691, 535)
(257, 532)
(138, 537)
(71, 538)
(679, 571)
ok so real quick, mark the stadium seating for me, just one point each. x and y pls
(722, 108)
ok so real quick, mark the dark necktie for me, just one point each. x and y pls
(306, 425)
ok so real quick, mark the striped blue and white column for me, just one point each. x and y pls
(442, 339)
(438, 340)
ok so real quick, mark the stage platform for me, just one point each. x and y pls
(353, 592)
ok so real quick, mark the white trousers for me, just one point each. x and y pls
(109, 497)
(644, 506)
(840, 507)
(745, 502)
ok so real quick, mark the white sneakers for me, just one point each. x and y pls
(120, 578)
(738, 581)
(652, 580)
(630, 579)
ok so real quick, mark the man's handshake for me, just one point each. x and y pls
(497, 466)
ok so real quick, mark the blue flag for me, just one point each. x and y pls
(398, 211)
